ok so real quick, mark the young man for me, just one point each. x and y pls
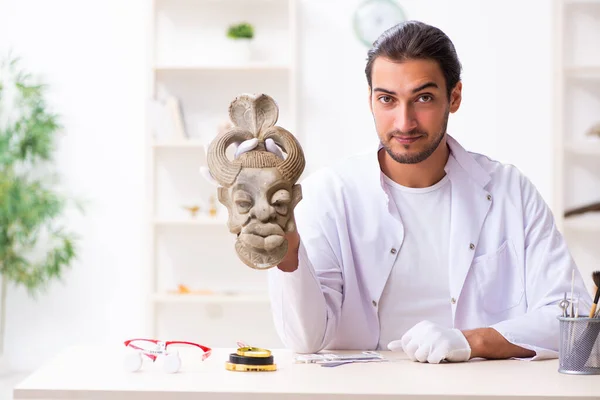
(420, 245)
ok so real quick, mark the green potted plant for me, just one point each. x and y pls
(35, 245)
(240, 36)
(243, 30)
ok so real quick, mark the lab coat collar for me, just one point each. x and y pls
(468, 163)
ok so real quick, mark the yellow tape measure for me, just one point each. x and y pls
(253, 352)
(250, 368)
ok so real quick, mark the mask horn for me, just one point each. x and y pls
(293, 165)
(220, 166)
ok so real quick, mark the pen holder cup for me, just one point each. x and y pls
(579, 346)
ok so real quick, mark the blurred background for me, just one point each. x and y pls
(139, 86)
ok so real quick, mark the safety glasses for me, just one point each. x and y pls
(155, 349)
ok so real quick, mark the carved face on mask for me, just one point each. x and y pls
(259, 189)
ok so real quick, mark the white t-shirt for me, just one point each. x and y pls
(418, 285)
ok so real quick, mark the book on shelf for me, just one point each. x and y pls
(167, 120)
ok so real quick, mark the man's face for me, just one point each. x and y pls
(410, 107)
(260, 205)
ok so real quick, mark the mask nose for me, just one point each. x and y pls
(263, 211)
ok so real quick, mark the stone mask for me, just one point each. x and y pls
(258, 188)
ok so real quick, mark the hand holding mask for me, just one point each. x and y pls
(258, 187)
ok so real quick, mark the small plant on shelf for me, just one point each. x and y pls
(243, 30)
(240, 37)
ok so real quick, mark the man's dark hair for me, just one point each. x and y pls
(414, 40)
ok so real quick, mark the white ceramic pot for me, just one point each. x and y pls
(240, 50)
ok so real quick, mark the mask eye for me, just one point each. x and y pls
(281, 201)
(243, 201)
(282, 209)
(243, 206)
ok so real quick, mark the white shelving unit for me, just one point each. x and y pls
(265, 67)
(577, 105)
(192, 60)
(174, 144)
(211, 299)
(198, 221)
(583, 149)
(584, 223)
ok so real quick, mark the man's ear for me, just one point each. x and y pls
(369, 98)
(456, 97)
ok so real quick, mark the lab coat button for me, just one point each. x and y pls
(374, 303)
(453, 300)
(489, 197)
(472, 246)
(393, 251)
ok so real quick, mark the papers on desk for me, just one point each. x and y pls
(335, 359)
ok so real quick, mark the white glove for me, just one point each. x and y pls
(428, 342)
(242, 148)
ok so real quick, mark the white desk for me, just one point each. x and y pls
(97, 373)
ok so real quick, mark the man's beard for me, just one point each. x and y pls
(422, 156)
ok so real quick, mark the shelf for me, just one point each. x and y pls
(195, 144)
(582, 2)
(589, 222)
(196, 221)
(592, 148)
(210, 298)
(228, 2)
(584, 72)
(192, 60)
(224, 67)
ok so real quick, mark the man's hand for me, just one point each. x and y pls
(428, 342)
(290, 261)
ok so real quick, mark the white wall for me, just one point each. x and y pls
(93, 56)
(506, 51)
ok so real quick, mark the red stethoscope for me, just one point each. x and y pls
(158, 349)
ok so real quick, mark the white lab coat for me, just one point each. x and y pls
(509, 264)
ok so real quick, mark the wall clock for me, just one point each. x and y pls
(373, 17)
